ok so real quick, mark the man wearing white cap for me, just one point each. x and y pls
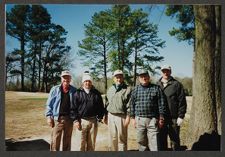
(89, 105)
(117, 103)
(176, 108)
(58, 113)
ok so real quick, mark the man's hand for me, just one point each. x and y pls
(161, 123)
(127, 121)
(77, 125)
(179, 121)
(105, 119)
(50, 122)
(133, 122)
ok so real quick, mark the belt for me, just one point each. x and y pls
(118, 114)
(88, 118)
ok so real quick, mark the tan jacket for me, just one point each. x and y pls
(118, 99)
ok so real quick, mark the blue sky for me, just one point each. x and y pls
(73, 17)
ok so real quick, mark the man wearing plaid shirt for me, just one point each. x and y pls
(147, 109)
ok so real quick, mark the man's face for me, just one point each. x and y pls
(166, 73)
(118, 79)
(144, 79)
(87, 84)
(66, 80)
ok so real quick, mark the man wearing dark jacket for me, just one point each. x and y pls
(89, 106)
(176, 109)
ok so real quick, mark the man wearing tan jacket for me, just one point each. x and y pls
(117, 103)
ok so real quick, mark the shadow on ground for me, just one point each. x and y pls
(182, 148)
(207, 142)
(39, 144)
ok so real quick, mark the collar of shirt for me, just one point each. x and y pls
(118, 87)
(87, 90)
(65, 89)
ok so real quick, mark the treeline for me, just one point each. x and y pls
(117, 38)
(120, 38)
(36, 65)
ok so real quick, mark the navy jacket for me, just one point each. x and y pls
(88, 105)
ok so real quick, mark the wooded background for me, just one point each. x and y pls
(111, 38)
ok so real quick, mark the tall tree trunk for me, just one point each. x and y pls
(123, 54)
(119, 54)
(22, 62)
(6, 74)
(203, 113)
(122, 58)
(33, 82)
(135, 64)
(39, 66)
(44, 76)
(218, 67)
(105, 68)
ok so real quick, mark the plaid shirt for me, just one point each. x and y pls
(147, 101)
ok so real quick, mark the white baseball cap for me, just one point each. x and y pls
(168, 67)
(65, 73)
(143, 72)
(118, 72)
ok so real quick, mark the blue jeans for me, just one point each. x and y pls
(147, 133)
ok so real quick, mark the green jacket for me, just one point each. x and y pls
(117, 100)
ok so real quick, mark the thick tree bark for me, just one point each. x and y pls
(218, 67)
(203, 114)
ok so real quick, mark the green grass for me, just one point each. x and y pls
(24, 99)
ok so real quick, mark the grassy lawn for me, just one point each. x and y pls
(24, 115)
(24, 118)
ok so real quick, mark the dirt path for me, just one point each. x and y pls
(42, 142)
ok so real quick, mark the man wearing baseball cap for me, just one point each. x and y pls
(58, 113)
(89, 105)
(147, 110)
(117, 103)
(176, 108)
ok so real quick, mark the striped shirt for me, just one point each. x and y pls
(147, 101)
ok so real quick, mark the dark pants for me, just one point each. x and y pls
(173, 131)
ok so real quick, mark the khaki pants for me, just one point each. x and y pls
(147, 133)
(88, 134)
(64, 126)
(117, 132)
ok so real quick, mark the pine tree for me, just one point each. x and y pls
(96, 44)
(16, 26)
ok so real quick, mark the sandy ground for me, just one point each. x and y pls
(41, 140)
(101, 141)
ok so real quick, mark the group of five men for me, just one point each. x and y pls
(155, 110)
